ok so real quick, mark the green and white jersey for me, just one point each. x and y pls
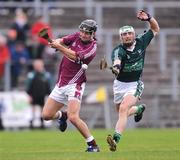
(132, 62)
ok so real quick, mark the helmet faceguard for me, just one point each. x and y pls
(88, 25)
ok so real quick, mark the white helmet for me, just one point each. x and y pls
(126, 29)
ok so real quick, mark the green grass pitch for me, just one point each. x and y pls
(138, 144)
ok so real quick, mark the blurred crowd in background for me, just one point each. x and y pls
(23, 49)
(21, 45)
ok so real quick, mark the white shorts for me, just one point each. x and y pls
(67, 93)
(121, 89)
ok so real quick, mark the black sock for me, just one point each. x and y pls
(42, 122)
(31, 124)
(1, 125)
(64, 115)
(92, 143)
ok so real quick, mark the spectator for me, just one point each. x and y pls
(19, 57)
(38, 86)
(20, 26)
(11, 38)
(5, 56)
(1, 111)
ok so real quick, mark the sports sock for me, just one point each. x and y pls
(117, 137)
(64, 115)
(59, 114)
(139, 109)
(91, 141)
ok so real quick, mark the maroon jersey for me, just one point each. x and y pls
(70, 71)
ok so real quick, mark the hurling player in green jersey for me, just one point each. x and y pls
(128, 63)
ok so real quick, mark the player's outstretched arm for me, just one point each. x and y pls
(144, 16)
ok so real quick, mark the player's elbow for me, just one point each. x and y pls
(157, 29)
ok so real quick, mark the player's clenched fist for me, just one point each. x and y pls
(54, 44)
(143, 15)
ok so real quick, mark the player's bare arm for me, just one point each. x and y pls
(154, 25)
(144, 16)
(66, 51)
(59, 40)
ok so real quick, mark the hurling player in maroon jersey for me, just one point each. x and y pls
(78, 51)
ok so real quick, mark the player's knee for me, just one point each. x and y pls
(46, 115)
(73, 118)
(123, 109)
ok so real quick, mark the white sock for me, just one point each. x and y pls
(89, 139)
(59, 114)
(117, 132)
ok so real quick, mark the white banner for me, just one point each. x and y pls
(16, 111)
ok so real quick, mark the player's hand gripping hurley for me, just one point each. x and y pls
(43, 33)
(104, 65)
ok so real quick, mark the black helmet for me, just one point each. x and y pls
(88, 25)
